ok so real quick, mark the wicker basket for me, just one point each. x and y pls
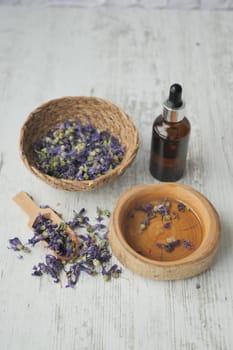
(101, 113)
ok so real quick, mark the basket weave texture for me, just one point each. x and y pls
(101, 114)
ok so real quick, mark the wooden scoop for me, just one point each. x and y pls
(25, 202)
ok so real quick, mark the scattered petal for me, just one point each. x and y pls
(181, 206)
(167, 225)
(169, 246)
(93, 256)
(17, 245)
(187, 244)
(52, 267)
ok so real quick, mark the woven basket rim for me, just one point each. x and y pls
(88, 184)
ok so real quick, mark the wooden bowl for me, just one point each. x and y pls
(140, 251)
(102, 114)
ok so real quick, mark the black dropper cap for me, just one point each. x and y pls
(175, 97)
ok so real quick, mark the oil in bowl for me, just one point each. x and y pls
(164, 231)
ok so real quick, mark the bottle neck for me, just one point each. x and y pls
(173, 115)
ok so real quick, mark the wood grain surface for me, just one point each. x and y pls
(129, 57)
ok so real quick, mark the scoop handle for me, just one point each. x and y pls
(24, 201)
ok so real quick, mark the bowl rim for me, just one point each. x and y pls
(209, 242)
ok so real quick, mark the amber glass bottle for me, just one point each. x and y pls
(170, 137)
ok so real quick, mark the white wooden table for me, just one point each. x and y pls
(129, 57)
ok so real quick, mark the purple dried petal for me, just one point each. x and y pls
(52, 267)
(75, 151)
(87, 269)
(79, 220)
(181, 206)
(73, 275)
(35, 239)
(170, 246)
(113, 271)
(187, 244)
(167, 225)
(55, 236)
(163, 209)
(104, 256)
(175, 243)
(99, 218)
(16, 244)
(99, 227)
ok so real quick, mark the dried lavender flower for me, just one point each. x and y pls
(54, 235)
(187, 244)
(17, 245)
(167, 225)
(169, 245)
(181, 206)
(72, 275)
(44, 206)
(76, 151)
(79, 220)
(93, 256)
(52, 267)
(114, 272)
